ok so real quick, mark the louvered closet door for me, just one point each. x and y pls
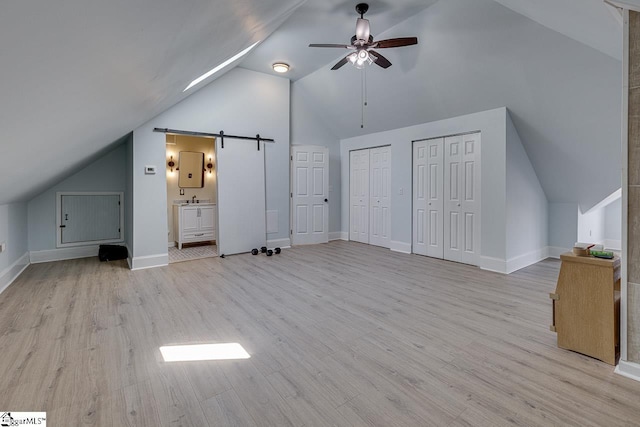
(380, 196)
(428, 198)
(461, 192)
(359, 196)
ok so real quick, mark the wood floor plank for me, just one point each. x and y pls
(340, 334)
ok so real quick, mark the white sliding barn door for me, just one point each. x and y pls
(310, 203)
(359, 196)
(380, 196)
(241, 196)
(462, 203)
(428, 197)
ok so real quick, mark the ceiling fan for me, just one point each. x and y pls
(362, 44)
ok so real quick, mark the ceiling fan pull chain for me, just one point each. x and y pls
(363, 99)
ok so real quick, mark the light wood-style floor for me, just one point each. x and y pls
(340, 334)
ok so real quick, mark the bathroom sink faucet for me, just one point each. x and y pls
(193, 199)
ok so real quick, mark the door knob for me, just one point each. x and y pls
(458, 204)
(429, 203)
(326, 200)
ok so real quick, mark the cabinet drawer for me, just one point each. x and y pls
(198, 236)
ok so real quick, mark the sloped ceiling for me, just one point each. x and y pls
(592, 22)
(475, 55)
(79, 74)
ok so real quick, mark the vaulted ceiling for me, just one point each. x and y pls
(78, 75)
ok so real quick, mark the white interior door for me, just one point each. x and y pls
(310, 203)
(380, 196)
(241, 196)
(428, 198)
(462, 205)
(359, 196)
(470, 197)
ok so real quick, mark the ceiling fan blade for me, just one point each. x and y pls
(403, 41)
(343, 46)
(362, 29)
(340, 63)
(380, 60)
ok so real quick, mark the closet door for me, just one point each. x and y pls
(380, 196)
(428, 198)
(359, 196)
(462, 204)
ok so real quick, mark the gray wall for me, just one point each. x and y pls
(527, 218)
(105, 174)
(308, 129)
(492, 124)
(13, 232)
(563, 225)
(241, 102)
(613, 221)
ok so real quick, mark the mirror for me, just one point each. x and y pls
(191, 170)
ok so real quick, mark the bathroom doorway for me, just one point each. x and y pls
(192, 198)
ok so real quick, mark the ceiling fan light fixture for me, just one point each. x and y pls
(360, 59)
(280, 67)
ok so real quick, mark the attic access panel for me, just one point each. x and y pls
(89, 218)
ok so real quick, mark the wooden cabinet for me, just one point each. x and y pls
(194, 223)
(586, 306)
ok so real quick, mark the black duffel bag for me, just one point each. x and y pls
(112, 252)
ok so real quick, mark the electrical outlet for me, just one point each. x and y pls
(401, 191)
(150, 170)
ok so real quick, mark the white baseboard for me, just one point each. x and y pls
(62, 254)
(525, 260)
(401, 247)
(555, 252)
(496, 265)
(339, 235)
(613, 245)
(149, 261)
(281, 243)
(628, 369)
(11, 273)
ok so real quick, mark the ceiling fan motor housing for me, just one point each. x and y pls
(362, 8)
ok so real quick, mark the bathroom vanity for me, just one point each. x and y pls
(194, 222)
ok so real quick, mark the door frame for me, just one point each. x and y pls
(292, 218)
(479, 159)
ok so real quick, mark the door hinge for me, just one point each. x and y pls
(119, 230)
(118, 203)
(291, 194)
(291, 232)
(291, 157)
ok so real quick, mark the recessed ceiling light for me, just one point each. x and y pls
(189, 353)
(220, 67)
(280, 67)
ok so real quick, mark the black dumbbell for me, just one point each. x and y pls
(254, 251)
(269, 252)
(277, 250)
(263, 249)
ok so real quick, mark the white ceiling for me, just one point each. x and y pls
(325, 21)
(78, 75)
